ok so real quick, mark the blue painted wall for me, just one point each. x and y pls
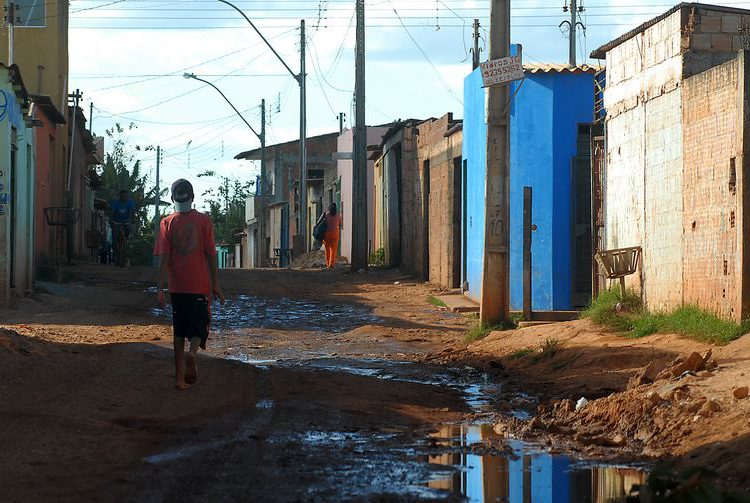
(544, 123)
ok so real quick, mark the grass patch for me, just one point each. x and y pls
(547, 350)
(481, 330)
(634, 321)
(520, 353)
(435, 301)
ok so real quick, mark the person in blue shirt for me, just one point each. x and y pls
(122, 211)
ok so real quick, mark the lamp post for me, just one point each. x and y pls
(301, 79)
(261, 137)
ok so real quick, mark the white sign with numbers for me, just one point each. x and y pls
(500, 71)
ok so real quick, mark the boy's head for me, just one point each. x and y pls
(332, 209)
(124, 196)
(182, 195)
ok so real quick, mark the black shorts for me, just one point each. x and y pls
(190, 316)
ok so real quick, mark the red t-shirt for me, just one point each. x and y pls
(188, 240)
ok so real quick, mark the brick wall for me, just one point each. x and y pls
(440, 151)
(712, 241)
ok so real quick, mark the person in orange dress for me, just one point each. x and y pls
(334, 224)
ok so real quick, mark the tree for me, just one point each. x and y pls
(226, 206)
(122, 171)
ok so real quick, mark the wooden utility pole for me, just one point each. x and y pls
(359, 166)
(495, 290)
(528, 228)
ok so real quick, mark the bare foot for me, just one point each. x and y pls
(191, 374)
(182, 386)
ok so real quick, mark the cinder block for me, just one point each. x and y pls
(710, 24)
(700, 42)
(721, 42)
(730, 24)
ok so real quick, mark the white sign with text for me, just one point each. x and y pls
(500, 71)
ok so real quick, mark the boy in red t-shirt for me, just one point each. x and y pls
(187, 251)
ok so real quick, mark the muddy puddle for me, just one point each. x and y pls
(280, 313)
(462, 462)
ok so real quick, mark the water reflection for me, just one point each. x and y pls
(527, 475)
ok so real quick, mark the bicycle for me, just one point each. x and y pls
(120, 231)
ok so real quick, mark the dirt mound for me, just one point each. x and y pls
(670, 411)
(12, 342)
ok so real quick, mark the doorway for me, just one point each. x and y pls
(456, 237)
(464, 227)
(426, 220)
(582, 239)
(12, 214)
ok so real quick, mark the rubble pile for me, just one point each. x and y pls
(659, 408)
(312, 260)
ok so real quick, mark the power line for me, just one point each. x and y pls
(440, 77)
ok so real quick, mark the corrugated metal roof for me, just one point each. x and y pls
(557, 68)
(601, 52)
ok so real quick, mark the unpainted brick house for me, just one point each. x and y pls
(677, 110)
(439, 154)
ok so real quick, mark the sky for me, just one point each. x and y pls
(128, 58)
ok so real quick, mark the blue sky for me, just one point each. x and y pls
(128, 58)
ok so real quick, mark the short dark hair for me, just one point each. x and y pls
(123, 191)
(332, 208)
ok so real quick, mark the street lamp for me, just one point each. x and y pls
(261, 137)
(301, 79)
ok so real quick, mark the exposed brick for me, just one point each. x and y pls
(710, 241)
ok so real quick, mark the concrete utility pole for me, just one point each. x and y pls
(10, 19)
(91, 117)
(261, 215)
(475, 52)
(302, 141)
(495, 301)
(341, 122)
(157, 198)
(573, 24)
(359, 164)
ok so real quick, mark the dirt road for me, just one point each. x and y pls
(316, 386)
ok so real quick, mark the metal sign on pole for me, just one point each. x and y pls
(501, 71)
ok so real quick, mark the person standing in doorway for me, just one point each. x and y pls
(187, 254)
(334, 225)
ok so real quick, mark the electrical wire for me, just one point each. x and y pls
(437, 73)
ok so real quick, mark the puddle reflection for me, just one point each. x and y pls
(527, 475)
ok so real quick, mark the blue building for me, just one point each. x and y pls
(550, 152)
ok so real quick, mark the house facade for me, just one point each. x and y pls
(399, 184)
(50, 178)
(439, 147)
(550, 120)
(281, 208)
(17, 183)
(673, 181)
(341, 193)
